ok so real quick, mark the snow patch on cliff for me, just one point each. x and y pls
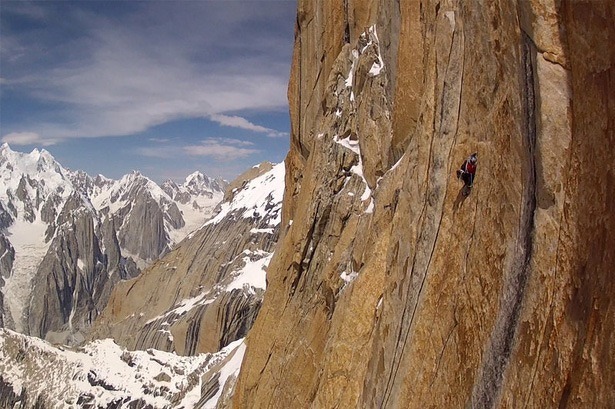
(378, 65)
(357, 169)
(253, 274)
(262, 196)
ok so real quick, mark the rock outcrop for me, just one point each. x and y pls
(75, 278)
(207, 291)
(389, 288)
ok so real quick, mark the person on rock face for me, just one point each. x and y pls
(468, 170)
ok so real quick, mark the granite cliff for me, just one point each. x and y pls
(388, 288)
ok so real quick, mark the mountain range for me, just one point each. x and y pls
(67, 238)
(173, 335)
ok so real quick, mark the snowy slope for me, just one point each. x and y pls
(259, 199)
(103, 374)
(262, 195)
(29, 183)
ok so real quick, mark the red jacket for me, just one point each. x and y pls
(468, 167)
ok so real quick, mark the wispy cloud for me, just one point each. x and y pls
(26, 138)
(239, 122)
(126, 74)
(219, 149)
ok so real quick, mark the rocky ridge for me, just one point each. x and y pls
(102, 374)
(207, 291)
(390, 289)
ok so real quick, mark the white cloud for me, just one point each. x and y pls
(221, 149)
(239, 122)
(26, 138)
(163, 63)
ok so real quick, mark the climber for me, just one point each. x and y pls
(468, 170)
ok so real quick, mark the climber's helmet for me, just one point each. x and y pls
(473, 158)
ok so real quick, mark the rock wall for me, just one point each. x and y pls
(389, 288)
(6, 265)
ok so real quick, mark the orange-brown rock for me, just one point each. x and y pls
(389, 289)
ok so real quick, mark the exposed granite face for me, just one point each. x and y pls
(389, 288)
(142, 231)
(7, 257)
(74, 280)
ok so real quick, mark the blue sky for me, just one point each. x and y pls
(163, 87)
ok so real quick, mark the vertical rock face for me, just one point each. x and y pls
(390, 288)
(75, 278)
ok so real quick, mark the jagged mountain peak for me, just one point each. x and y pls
(102, 181)
(38, 164)
(135, 180)
(198, 176)
(196, 182)
(82, 224)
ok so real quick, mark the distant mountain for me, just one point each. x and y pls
(177, 328)
(66, 238)
(207, 291)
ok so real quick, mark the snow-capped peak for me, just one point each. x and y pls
(35, 163)
(39, 166)
(196, 177)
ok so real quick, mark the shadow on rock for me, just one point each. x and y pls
(461, 197)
